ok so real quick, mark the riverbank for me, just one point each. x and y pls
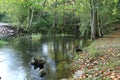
(100, 60)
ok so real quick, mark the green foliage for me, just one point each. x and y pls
(2, 43)
(36, 37)
(69, 14)
(85, 30)
(2, 15)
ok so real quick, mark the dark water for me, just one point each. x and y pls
(15, 58)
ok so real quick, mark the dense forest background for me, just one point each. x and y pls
(85, 18)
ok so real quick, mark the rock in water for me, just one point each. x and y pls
(78, 49)
(42, 72)
(38, 63)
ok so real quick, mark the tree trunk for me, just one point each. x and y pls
(55, 16)
(100, 27)
(93, 21)
(31, 19)
(94, 25)
(28, 19)
(64, 17)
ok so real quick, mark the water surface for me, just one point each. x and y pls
(15, 58)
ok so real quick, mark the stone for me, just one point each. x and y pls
(42, 72)
(38, 63)
(78, 73)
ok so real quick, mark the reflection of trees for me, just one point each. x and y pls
(24, 47)
(20, 44)
(80, 42)
(58, 50)
(61, 57)
(63, 50)
(58, 45)
(55, 48)
(29, 39)
(25, 44)
(63, 70)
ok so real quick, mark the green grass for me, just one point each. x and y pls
(93, 50)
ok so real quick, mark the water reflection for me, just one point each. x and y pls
(15, 58)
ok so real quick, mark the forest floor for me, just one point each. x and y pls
(100, 60)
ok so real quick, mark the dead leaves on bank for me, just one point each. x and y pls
(99, 67)
(105, 66)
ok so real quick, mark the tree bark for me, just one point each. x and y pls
(55, 16)
(28, 19)
(93, 21)
(31, 19)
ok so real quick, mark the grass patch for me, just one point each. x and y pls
(93, 50)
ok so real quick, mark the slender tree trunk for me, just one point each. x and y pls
(28, 19)
(55, 16)
(31, 19)
(93, 32)
(93, 21)
(99, 30)
(63, 26)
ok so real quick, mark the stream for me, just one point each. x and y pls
(15, 57)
